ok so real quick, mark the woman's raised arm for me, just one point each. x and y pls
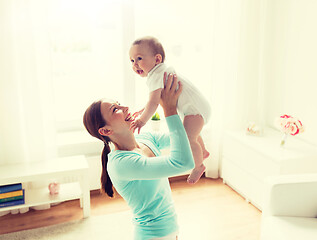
(180, 159)
(170, 94)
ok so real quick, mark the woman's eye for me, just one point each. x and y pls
(132, 60)
(139, 58)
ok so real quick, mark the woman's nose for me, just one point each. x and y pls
(125, 109)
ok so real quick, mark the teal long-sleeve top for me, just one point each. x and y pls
(143, 181)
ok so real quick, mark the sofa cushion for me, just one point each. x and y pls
(295, 197)
(288, 228)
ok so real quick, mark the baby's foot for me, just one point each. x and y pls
(196, 173)
(206, 154)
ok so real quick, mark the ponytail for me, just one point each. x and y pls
(106, 182)
(93, 120)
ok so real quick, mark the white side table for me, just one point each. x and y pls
(34, 171)
(248, 160)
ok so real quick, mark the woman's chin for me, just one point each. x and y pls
(128, 123)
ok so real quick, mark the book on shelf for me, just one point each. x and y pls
(12, 203)
(11, 194)
(10, 187)
(11, 198)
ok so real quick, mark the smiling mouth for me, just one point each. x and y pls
(139, 72)
(129, 118)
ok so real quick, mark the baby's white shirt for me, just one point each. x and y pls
(155, 76)
(191, 100)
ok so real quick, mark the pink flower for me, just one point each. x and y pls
(289, 125)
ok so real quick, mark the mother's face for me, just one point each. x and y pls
(117, 118)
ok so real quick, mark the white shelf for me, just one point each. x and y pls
(38, 171)
(36, 197)
(32, 171)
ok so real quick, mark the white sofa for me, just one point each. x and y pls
(290, 208)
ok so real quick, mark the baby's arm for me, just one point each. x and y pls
(138, 113)
(151, 106)
(149, 110)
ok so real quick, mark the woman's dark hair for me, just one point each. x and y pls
(93, 120)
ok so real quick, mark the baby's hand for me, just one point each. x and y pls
(137, 124)
(136, 114)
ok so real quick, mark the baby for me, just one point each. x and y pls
(147, 56)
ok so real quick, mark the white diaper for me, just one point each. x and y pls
(190, 109)
(192, 102)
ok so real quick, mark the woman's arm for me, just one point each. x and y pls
(133, 166)
(170, 94)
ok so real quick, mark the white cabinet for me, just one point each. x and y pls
(75, 166)
(247, 160)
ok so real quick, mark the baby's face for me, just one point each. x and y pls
(142, 59)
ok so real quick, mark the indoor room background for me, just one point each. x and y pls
(253, 59)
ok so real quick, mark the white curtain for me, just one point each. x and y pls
(224, 60)
(27, 124)
(187, 32)
(27, 130)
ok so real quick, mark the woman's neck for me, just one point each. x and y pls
(126, 143)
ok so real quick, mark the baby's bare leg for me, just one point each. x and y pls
(205, 152)
(193, 125)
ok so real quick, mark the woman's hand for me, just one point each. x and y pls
(170, 94)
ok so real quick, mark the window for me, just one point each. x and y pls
(185, 30)
(90, 44)
(87, 56)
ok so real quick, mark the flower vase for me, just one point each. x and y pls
(156, 125)
(283, 140)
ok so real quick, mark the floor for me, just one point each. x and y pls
(216, 209)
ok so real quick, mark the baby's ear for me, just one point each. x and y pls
(158, 58)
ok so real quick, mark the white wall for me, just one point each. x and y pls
(276, 65)
(291, 63)
(242, 49)
(185, 30)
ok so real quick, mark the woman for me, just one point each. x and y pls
(135, 167)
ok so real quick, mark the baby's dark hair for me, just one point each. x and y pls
(154, 45)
